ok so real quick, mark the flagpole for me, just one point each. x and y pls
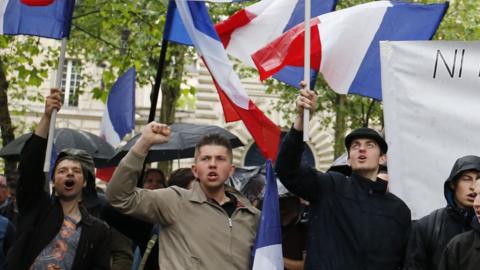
(306, 67)
(51, 131)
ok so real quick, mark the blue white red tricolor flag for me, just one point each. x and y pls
(43, 18)
(257, 25)
(346, 43)
(119, 115)
(235, 101)
(267, 251)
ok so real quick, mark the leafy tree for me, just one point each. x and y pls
(18, 71)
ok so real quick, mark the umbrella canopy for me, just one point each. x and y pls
(183, 139)
(97, 147)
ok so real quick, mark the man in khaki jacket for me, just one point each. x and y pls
(207, 227)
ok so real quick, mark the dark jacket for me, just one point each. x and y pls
(41, 216)
(432, 233)
(355, 223)
(463, 251)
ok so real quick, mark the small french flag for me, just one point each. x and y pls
(119, 116)
(268, 245)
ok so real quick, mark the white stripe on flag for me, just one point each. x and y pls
(218, 63)
(342, 54)
(3, 7)
(268, 257)
(260, 30)
(107, 131)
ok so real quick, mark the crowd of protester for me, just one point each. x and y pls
(340, 219)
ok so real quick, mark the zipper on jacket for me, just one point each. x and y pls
(230, 222)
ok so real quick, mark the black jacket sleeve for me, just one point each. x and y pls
(303, 181)
(102, 257)
(30, 186)
(449, 261)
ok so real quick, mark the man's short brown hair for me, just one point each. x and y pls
(214, 139)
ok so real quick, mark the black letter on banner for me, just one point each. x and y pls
(451, 72)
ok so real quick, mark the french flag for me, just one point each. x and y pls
(346, 43)
(43, 18)
(119, 115)
(267, 251)
(235, 101)
(254, 27)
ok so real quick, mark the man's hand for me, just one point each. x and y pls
(307, 99)
(153, 133)
(52, 102)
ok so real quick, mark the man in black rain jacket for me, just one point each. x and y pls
(355, 223)
(463, 251)
(432, 233)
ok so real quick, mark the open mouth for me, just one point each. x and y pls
(212, 176)
(69, 184)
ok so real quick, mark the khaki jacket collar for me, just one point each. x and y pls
(198, 196)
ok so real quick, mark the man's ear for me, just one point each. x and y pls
(382, 159)
(232, 170)
(452, 185)
(194, 171)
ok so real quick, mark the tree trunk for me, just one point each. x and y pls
(171, 84)
(6, 123)
(340, 124)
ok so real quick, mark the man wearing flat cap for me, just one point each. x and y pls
(355, 223)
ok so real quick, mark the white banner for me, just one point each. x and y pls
(431, 103)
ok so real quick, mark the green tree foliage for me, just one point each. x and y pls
(18, 72)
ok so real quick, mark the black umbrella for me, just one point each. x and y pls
(97, 147)
(182, 143)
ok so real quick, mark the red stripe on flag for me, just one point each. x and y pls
(105, 174)
(229, 111)
(265, 133)
(38, 2)
(227, 27)
(288, 50)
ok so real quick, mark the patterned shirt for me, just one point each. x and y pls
(60, 253)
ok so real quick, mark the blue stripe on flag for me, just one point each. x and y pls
(201, 20)
(174, 28)
(270, 231)
(52, 21)
(318, 7)
(419, 22)
(121, 103)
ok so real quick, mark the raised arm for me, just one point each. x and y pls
(154, 206)
(298, 178)
(32, 179)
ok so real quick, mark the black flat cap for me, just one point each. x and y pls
(366, 133)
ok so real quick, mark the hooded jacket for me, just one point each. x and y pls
(355, 223)
(432, 233)
(41, 216)
(463, 251)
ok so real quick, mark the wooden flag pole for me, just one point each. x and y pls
(58, 84)
(306, 67)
